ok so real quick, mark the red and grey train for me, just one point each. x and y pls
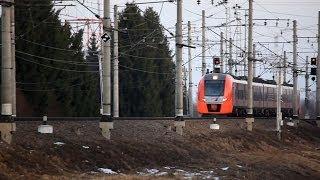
(222, 94)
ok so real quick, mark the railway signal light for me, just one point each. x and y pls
(313, 71)
(216, 61)
(314, 61)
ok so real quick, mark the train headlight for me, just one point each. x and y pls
(214, 77)
(204, 100)
(224, 99)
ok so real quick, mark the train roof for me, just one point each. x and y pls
(222, 76)
(260, 80)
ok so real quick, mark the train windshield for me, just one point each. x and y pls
(214, 88)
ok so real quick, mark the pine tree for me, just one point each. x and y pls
(58, 75)
(146, 67)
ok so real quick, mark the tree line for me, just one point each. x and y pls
(54, 71)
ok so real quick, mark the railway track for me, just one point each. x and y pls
(140, 118)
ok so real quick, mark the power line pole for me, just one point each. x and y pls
(204, 65)
(13, 62)
(254, 61)
(185, 91)
(221, 53)
(306, 100)
(7, 124)
(245, 44)
(250, 118)
(295, 71)
(106, 123)
(279, 94)
(318, 73)
(115, 65)
(230, 62)
(179, 122)
(285, 66)
(190, 101)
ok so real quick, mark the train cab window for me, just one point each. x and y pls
(214, 88)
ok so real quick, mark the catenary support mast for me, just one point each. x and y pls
(295, 72)
(190, 91)
(179, 122)
(115, 65)
(250, 118)
(204, 64)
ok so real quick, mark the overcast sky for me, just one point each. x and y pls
(305, 12)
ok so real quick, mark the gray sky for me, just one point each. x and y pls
(305, 12)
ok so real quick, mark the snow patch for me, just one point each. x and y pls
(239, 166)
(162, 174)
(106, 171)
(225, 168)
(59, 143)
(152, 171)
(85, 147)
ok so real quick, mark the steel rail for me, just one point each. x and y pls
(18, 119)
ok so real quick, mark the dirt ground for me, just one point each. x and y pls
(149, 150)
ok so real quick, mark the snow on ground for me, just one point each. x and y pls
(107, 171)
(59, 143)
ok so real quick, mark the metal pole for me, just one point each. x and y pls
(230, 63)
(318, 72)
(306, 100)
(279, 93)
(115, 65)
(285, 66)
(106, 123)
(250, 118)
(13, 62)
(295, 73)
(190, 101)
(179, 123)
(221, 53)
(254, 60)
(204, 65)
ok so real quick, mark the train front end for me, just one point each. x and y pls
(215, 94)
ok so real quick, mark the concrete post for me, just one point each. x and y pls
(279, 94)
(115, 65)
(295, 72)
(250, 117)
(106, 123)
(318, 73)
(230, 62)
(285, 66)
(306, 100)
(254, 61)
(179, 122)
(190, 91)
(221, 53)
(13, 62)
(7, 125)
(204, 64)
